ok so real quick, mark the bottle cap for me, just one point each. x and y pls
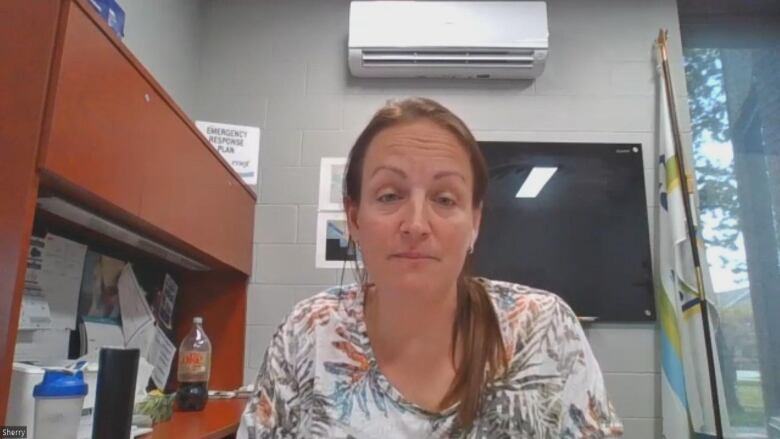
(197, 320)
(61, 383)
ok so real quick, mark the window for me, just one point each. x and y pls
(732, 65)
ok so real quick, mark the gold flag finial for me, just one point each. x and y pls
(660, 42)
(663, 35)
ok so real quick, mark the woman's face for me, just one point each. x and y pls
(416, 220)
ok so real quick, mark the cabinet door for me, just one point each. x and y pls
(98, 116)
(117, 135)
(190, 193)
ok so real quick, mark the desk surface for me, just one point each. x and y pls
(219, 419)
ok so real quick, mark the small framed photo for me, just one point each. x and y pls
(331, 178)
(333, 242)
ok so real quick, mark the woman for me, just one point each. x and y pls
(419, 348)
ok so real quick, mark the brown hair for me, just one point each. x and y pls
(476, 323)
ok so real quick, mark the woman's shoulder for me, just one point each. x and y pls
(521, 307)
(509, 295)
(321, 308)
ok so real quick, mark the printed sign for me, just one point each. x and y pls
(239, 145)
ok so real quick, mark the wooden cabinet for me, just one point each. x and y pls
(97, 117)
(81, 118)
(115, 133)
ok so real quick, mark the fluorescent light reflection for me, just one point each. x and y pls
(535, 182)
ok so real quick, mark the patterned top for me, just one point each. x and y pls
(319, 377)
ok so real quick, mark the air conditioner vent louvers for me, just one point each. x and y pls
(486, 59)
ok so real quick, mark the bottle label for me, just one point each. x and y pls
(193, 363)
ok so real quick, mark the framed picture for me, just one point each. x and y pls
(333, 241)
(331, 178)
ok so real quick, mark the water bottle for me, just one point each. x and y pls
(194, 369)
(58, 402)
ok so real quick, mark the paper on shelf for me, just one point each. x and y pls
(168, 301)
(42, 345)
(145, 370)
(161, 356)
(54, 267)
(136, 431)
(35, 313)
(137, 317)
(34, 260)
(99, 335)
(143, 340)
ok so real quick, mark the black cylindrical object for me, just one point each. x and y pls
(115, 393)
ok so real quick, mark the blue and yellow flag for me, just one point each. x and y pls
(686, 399)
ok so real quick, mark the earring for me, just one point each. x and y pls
(473, 241)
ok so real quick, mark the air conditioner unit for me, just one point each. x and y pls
(447, 39)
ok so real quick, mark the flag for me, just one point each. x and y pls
(687, 408)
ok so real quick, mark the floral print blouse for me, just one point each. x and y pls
(319, 377)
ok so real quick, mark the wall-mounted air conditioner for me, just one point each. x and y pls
(447, 39)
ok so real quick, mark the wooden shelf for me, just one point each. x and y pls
(83, 120)
(220, 418)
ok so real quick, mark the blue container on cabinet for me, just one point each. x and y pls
(112, 13)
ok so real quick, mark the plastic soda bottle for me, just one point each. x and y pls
(194, 369)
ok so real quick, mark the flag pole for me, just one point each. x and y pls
(687, 194)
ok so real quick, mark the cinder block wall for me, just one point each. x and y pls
(281, 65)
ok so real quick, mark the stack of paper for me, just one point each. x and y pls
(50, 300)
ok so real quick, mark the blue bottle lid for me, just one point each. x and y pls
(61, 383)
